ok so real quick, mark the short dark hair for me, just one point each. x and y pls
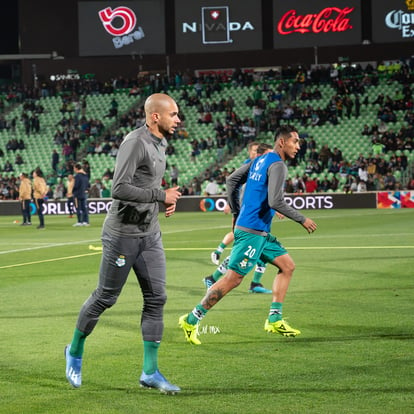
(263, 147)
(285, 131)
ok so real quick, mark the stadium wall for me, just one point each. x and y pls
(319, 201)
(60, 34)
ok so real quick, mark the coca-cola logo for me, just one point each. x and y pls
(330, 19)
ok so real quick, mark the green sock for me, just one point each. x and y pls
(258, 274)
(196, 315)
(221, 248)
(275, 313)
(78, 343)
(217, 274)
(150, 356)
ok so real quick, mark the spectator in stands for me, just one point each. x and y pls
(410, 185)
(55, 160)
(195, 186)
(67, 151)
(8, 167)
(113, 109)
(389, 181)
(174, 172)
(363, 172)
(357, 106)
(311, 184)
(377, 147)
(212, 188)
(325, 155)
(298, 184)
(59, 190)
(98, 149)
(114, 150)
(195, 151)
(95, 190)
(361, 185)
(19, 160)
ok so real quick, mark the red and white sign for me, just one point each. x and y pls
(126, 15)
(299, 23)
(329, 19)
(113, 27)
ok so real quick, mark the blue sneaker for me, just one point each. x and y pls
(258, 288)
(73, 368)
(208, 281)
(158, 381)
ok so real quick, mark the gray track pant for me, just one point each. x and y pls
(146, 256)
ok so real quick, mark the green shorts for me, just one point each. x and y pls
(249, 248)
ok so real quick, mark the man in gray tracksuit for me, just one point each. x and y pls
(131, 238)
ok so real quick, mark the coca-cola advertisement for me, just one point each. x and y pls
(392, 21)
(303, 23)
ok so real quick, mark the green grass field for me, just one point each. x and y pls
(352, 297)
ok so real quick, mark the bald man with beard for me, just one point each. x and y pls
(131, 239)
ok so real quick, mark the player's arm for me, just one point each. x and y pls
(277, 173)
(234, 182)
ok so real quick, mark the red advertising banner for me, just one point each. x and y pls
(300, 23)
(392, 21)
(395, 199)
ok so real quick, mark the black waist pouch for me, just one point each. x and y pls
(130, 215)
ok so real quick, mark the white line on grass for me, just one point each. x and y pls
(56, 259)
(204, 248)
(44, 246)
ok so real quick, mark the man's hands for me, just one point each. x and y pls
(171, 197)
(309, 225)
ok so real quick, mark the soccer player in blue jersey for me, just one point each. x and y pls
(264, 194)
(255, 150)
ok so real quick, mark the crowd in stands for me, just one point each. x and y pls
(290, 96)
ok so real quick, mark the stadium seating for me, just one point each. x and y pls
(346, 135)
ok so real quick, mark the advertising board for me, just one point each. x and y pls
(226, 25)
(298, 23)
(121, 28)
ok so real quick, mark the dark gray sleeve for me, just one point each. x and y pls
(234, 182)
(277, 174)
(130, 155)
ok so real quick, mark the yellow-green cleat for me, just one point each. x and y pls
(190, 331)
(280, 327)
